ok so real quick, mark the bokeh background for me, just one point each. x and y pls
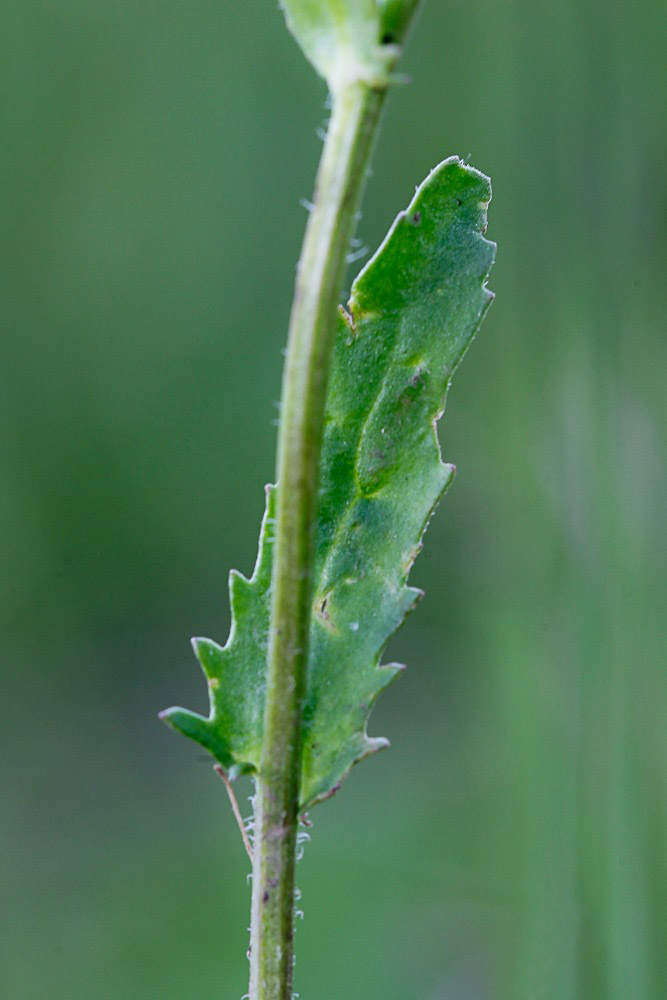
(512, 843)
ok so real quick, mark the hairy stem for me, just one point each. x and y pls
(355, 113)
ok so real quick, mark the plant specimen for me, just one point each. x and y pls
(358, 472)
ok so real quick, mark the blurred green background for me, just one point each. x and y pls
(512, 844)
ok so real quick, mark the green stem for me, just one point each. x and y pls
(355, 114)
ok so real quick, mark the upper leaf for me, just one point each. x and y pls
(350, 40)
(412, 313)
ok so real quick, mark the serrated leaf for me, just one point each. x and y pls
(413, 312)
(236, 673)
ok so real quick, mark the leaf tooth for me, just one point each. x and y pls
(372, 744)
(209, 655)
(410, 598)
(199, 729)
(353, 752)
(449, 472)
(261, 573)
(241, 591)
(385, 674)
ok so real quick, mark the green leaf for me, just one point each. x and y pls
(347, 40)
(412, 314)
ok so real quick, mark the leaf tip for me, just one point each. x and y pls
(198, 728)
(373, 744)
(396, 668)
(182, 719)
(416, 594)
(208, 653)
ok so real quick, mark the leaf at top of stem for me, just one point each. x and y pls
(412, 313)
(350, 41)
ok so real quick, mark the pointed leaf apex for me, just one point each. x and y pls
(373, 744)
(199, 729)
(209, 655)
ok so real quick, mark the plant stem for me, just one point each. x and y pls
(313, 321)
